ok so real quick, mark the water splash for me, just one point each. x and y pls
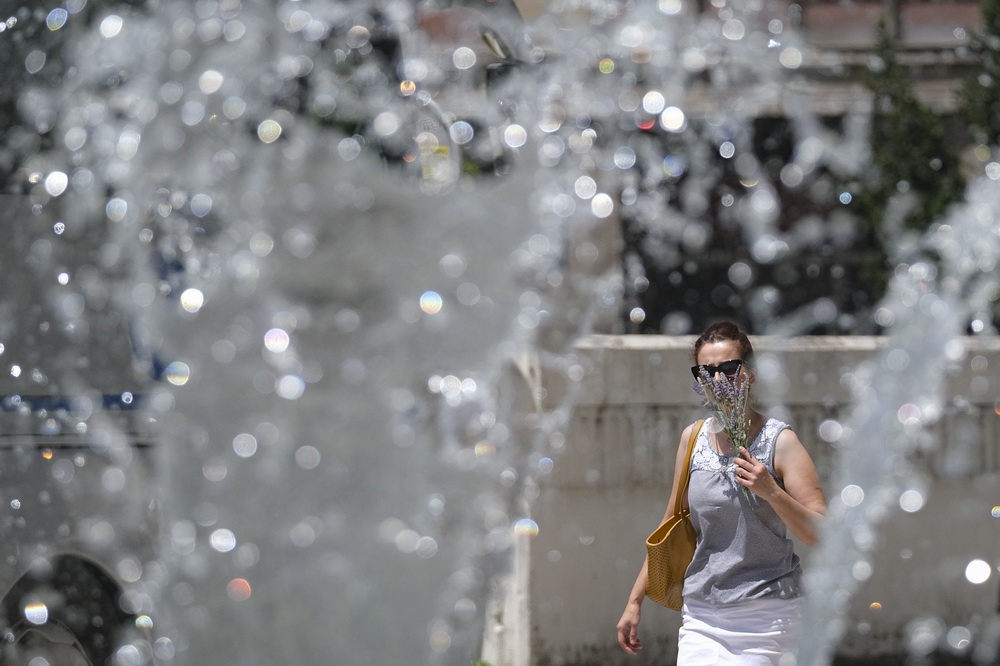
(897, 400)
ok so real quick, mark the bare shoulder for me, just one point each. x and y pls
(790, 455)
(686, 434)
(788, 438)
(790, 452)
(796, 468)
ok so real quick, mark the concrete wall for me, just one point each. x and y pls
(609, 488)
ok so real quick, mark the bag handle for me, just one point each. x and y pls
(686, 472)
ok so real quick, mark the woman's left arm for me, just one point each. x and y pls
(801, 504)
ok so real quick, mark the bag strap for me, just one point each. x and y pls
(686, 472)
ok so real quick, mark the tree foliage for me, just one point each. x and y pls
(914, 174)
(980, 95)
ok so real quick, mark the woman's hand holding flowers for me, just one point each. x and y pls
(752, 474)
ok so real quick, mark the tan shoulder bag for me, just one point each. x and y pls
(671, 546)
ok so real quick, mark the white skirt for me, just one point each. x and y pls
(755, 633)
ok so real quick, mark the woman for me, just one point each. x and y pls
(742, 588)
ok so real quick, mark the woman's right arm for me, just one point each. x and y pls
(628, 625)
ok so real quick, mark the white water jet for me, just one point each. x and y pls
(898, 404)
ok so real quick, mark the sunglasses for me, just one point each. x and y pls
(728, 368)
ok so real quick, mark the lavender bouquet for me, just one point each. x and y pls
(728, 398)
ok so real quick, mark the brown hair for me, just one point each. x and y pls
(725, 331)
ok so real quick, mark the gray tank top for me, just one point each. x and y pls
(743, 552)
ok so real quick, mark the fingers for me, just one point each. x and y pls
(746, 471)
(752, 474)
(628, 639)
(748, 462)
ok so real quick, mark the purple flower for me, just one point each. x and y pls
(728, 398)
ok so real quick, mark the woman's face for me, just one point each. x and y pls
(714, 353)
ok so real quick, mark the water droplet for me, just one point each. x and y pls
(602, 206)
(465, 608)
(269, 131)
(852, 495)
(733, 29)
(34, 61)
(674, 166)
(290, 387)
(526, 527)
(222, 540)
(959, 638)
(111, 26)
(515, 136)
(349, 149)
(911, 501)
(201, 205)
(245, 445)
(210, 81)
(192, 299)
(56, 19)
(440, 639)
(431, 302)
(426, 547)
(116, 209)
(463, 57)
(214, 470)
(238, 589)
(461, 132)
(740, 274)
(276, 340)
(909, 415)
(791, 58)
(113, 479)
(234, 107)
(386, 123)
(36, 613)
(308, 457)
(358, 36)
(861, 571)
(625, 158)
(670, 7)
(978, 571)
(177, 373)
(56, 182)
(653, 102)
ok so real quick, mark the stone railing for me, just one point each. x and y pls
(608, 490)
